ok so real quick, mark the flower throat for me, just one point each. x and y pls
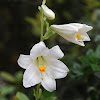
(41, 66)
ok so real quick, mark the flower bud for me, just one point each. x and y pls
(73, 32)
(48, 12)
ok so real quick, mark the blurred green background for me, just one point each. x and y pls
(20, 30)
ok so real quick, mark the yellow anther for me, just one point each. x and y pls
(78, 36)
(42, 69)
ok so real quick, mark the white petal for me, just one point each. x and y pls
(32, 76)
(85, 27)
(77, 25)
(56, 69)
(48, 83)
(38, 49)
(24, 61)
(55, 52)
(55, 73)
(65, 29)
(73, 40)
(84, 35)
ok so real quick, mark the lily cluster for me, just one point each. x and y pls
(43, 64)
(73, 32)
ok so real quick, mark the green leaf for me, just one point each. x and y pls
(18, 76)
(90, 52)
(97, 53)
(15, 98)
(95, 67)
(40, 9)
(7, 76)
(40, 93)
(97, 38)
(48, 34)
(84, 60)
(34, 93)
(52, 98)
(2, 98)
(77, 69)
(48, 95)
(7, 90)
(21, 96)
(94, 60)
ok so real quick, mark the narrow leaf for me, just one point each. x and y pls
(7, 76)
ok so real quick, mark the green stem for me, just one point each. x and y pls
(37, 92)
(42, 25)
(43, 2)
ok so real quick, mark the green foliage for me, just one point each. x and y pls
(90, 52)
(48, 96)
(95, 68)
(76, 71)
(92, 59)
(38, 92)
(2, 98)
(97, 38)
(49, 34)
(84, 60)
(97, 53)
(88, 71)
(18, 76)
(21, 96)
(51, 98)
(7, 76)
(12, 78)
(5, 90)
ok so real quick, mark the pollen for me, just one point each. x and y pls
(42, 69)
(78, 36)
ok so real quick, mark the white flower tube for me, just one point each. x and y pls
(42, 66)
(73, 32)
(48, 12)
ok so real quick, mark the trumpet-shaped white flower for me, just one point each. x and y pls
(48, 12)
(73, 32)
(42, 66)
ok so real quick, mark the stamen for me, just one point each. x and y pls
(42, 69)
(78, 36)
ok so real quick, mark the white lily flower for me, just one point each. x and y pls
(42, 66)
(48, 12)
(73, 32)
